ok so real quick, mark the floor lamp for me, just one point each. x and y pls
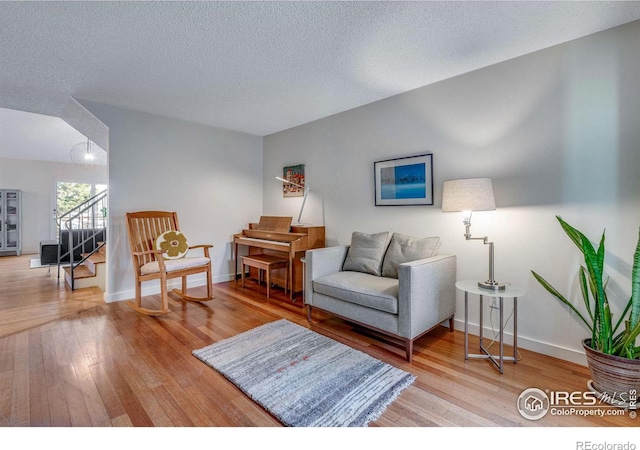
(468, 195)
(304, 199)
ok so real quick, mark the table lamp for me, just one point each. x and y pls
(304, 199)
(468, 195)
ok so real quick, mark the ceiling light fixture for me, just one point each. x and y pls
(88, 154)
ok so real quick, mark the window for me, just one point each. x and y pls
(69, 195)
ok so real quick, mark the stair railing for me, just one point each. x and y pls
(90, 219)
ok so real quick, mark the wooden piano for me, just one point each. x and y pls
(275, 235)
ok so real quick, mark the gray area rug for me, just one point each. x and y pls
(305, 379)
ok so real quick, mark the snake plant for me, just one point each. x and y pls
(605, 337)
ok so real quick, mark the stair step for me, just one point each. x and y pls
(88, 274)
(97, 258)
(80, 272)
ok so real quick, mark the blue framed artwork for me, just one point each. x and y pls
(404, 181)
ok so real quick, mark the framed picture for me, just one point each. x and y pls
(293, 174)
(404, 181)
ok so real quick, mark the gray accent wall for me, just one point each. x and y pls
(558, 131)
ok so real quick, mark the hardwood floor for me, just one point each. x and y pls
(31, 297)
(109, 366)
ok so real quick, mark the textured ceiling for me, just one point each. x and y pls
(262, 67)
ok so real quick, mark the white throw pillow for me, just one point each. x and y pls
(174, 242)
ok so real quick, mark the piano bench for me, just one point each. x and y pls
(266, 263)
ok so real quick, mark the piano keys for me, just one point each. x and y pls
(275, 235)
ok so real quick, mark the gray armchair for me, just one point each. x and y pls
(421, 298)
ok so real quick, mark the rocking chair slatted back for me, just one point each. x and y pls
(144, 228)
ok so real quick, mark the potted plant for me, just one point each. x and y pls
(612, 355)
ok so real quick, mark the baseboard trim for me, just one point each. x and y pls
(566, 354)
(153, 288)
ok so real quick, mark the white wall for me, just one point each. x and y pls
(211, 177)
(556, 130)
(37, 180)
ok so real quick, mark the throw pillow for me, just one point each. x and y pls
(175, 244)
(406, 248)
(366, 252)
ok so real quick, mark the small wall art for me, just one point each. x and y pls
(404, 181)
(294, 174)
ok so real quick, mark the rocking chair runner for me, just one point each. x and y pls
(149, 263)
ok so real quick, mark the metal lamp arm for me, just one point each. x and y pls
(304, 199)
(491, 283)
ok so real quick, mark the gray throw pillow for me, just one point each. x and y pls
(366, 252)
(405, 249)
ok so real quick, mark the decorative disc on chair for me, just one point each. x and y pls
(175, 244)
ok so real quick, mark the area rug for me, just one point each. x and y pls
(305, 379)
(34, 263)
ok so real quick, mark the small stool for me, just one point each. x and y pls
(266, 263)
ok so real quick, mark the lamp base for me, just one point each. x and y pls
(492, 285)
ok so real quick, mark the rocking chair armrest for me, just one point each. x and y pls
(149, 252)
(159, 257)
(201, 246)
(205, 248)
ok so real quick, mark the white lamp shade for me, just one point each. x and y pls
(470, 194)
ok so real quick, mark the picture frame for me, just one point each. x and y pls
(295, 175)
(404, 181)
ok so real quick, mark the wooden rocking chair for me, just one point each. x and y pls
(149, 263)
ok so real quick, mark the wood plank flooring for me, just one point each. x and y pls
(108, 366)
(31, 297)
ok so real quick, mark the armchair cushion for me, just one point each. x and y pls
(174, 264)
(360, 288)
(366, 252)
(404, 248)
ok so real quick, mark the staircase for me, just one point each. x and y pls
(86, 223)
(91, 272)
